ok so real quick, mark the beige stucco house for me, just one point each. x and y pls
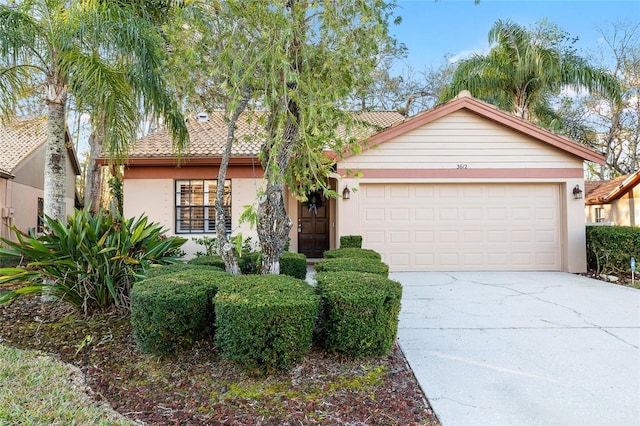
(613, 202)
(464, 186)
(22, 159)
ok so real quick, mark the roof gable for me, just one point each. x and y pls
(21, 137)
(489, 112)
(599, 192)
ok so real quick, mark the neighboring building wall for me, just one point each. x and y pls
(624, 211)
(21, 193)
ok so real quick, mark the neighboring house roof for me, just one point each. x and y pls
(20, 138)
(207, 138)
(605, 191)
(465, 101)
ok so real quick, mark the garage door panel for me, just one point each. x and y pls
(463, 227)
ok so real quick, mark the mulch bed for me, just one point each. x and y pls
(195, 387)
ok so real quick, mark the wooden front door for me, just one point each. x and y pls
(313, 226)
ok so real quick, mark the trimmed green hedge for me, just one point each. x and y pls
(352, 264)
(265, 322)
(359, 314)
(610, 248)
(249, 263)
(351, 241)
(158, 270)
(172, 311)
(352, 252)
(293, 265)
(216, 261)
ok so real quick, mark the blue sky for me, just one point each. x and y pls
(432, 29)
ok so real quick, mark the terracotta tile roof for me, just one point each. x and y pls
(604, 191)
(207, 138)
(18, 139)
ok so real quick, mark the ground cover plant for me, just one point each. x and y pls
(196, 387)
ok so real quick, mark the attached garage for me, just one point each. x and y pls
(463, 226)
(466, 186)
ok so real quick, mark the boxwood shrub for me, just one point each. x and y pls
(265, 322)
(215, 260)
(610, 248)
(352, 252)
(359, 315)
(249, 263)
(293, 265)
(352, 264)
(172, 311)
(157, 270)
(351, 241)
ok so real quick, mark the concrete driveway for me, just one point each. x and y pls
(523, 348)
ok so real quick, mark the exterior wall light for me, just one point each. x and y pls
(346, 193)
(577, 192)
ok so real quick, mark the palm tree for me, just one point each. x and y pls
(99, 52)
(521, 73)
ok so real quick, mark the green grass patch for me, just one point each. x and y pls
(36, 390)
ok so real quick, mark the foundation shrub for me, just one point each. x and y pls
(353, 264)
(293, 265)
(265, 322)
(610, 248)
(158, 270)
(359, 314)
(172, 311)
(351, 241)
(249, 263)
(359, 253)
(214, 260)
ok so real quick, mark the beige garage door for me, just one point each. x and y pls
(449, 227)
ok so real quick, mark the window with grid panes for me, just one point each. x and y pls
(195, 206)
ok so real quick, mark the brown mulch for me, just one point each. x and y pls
(195, 387)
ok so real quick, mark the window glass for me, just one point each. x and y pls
(195, 206)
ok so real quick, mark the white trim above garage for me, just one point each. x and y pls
(463, 226)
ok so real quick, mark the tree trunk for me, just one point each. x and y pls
(55, 168)
(225, 248)
(273, 223)
(93, 173)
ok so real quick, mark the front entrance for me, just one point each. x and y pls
(313, 226)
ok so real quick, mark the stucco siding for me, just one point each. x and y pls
(461, 139)
(155, 198)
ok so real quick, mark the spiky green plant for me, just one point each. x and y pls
(90, 262)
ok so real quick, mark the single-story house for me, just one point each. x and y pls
(464, 186)
(613, 201)
(22, 160)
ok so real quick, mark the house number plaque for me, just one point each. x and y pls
(462, 166)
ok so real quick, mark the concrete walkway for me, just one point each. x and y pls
(523, 348)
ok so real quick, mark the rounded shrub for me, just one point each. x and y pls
(293, 265)
(249, 263)
(172, 311)
(359, 315)
(352, 264)
(265, 322)
(354, 241)
(157, 270)
(359, 253)
(215, 260)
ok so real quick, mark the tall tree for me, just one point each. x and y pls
(298, 61)
(523, 72)
(322, 52)
(103, 55)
